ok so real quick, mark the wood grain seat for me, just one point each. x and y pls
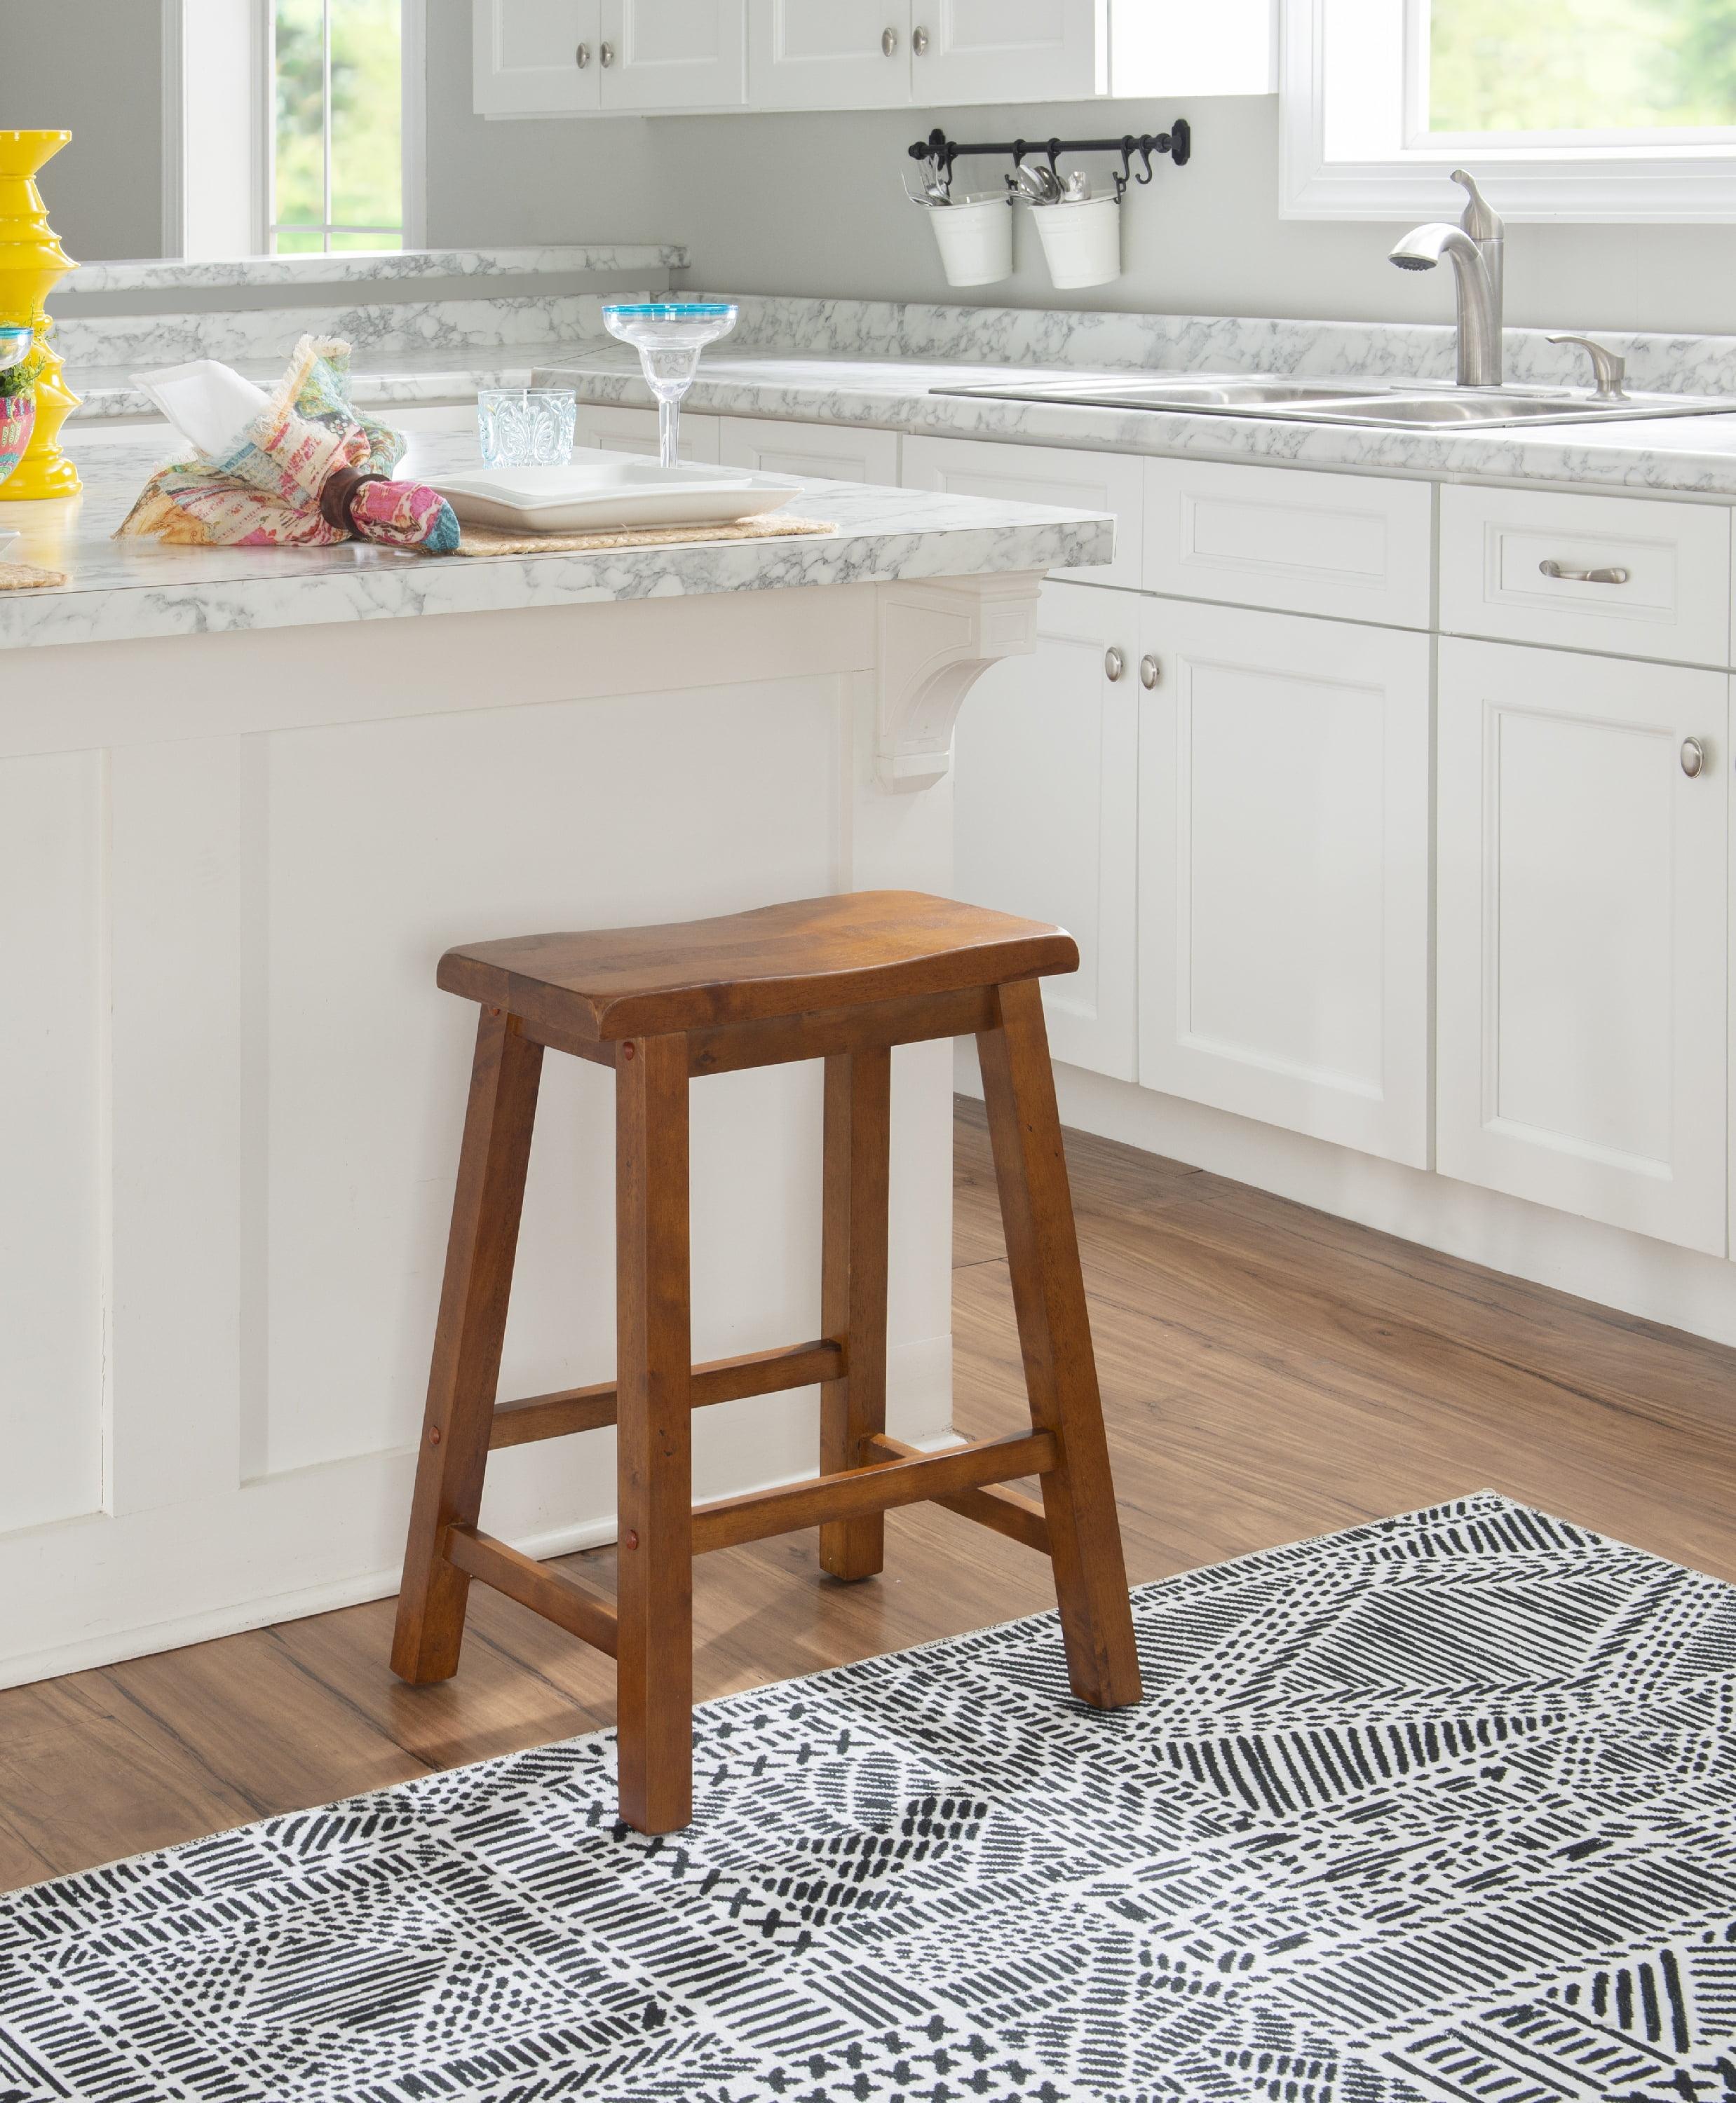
(811, 954)
(843, 979)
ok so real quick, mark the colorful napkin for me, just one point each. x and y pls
(309, 470)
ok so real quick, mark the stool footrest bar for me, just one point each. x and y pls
(877, 1488)
(1005, 1511)
(719, 1380)
(533, 1584)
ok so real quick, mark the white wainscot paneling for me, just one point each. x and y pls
(52, 1055)
(1043, 474)
(1284, 948)
(373, 847)
(1045, 797)
(1582, 918)
(831, 452)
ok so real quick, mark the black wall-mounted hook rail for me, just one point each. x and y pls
(1177, 142)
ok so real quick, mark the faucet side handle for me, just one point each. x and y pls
(1609, 368)
(1479, 218)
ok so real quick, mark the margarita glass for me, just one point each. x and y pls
(668, 334)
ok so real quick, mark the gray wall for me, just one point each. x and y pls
(809, 204)
(502, 182)
(94, 68)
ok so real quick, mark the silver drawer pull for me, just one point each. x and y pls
(1693, 757)
(1583, 577)
(1150, 671)
(1114, 665)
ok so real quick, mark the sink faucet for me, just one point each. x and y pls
(1474, 246)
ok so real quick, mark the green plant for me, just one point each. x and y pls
(20, 379)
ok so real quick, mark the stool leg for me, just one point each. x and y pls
(466, 1371)
(852, 1290)
(654, 1444)
(1048, 1291)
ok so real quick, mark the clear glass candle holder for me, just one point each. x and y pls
(526, 427)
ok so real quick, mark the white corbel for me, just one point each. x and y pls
(936, 640)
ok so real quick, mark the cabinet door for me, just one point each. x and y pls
(1284, 873)
(1582, 918)
(617, 430)
(535, 57)
(674, 54)
(1005, 50)
(828, 54)
(833, 452)
(1045, 803)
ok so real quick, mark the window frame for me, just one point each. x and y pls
(1347, 148)
(412, 79)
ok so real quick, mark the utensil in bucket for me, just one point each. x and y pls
(1081, 241)
(974, 236)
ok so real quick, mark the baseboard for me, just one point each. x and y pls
(1627, 1272)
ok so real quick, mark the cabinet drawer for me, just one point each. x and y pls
(1042, 474)
(823, 452)
(1668, 595)
(1354, 546)
(615, 429)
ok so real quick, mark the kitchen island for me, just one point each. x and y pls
(247, 797)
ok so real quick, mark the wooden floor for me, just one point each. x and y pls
(1269, 1373)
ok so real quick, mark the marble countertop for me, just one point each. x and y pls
(245, 272)
(1690, 455)
(127, 590)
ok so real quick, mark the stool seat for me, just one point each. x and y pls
(793, 958)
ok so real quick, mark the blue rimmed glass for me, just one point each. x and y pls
(526, 427)
(14, 346)
(668, 334)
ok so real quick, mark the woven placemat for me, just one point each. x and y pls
(492, 541)
(25, 576)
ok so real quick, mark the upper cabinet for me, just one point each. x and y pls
(828, 54)
(559, 58)
(1007, 50)
(672, 53)
(536, 57)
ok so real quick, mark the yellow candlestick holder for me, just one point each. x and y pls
(32, 263)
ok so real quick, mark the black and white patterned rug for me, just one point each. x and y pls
(1442, 1808)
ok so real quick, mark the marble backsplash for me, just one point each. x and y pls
(1198, 343)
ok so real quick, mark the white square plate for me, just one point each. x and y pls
(611, 490)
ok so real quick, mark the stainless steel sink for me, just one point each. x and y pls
(1400, 404)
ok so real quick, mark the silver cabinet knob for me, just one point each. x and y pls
(1114, 665)
(581, 57)
(919, 42)
(606, 54)
(1150, 671)
(889, 42)
(1693, 756)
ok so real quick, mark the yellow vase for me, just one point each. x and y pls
(32, 263)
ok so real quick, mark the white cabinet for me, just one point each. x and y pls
(580, 57)
(535, 57)
(1582, 923)
(618, 430)
(1045, 804)
(832, 452)
(828, 54)
(673, 54)
(1042, 474)
(1007, 50)
(1284, 873)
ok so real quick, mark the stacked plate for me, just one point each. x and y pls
(597, 495)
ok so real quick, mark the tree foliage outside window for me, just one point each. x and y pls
(338, 125)
(1581, 65)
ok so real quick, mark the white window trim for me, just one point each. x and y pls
(1342, 151)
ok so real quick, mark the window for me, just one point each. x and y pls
(1573, 109)
(337, 161)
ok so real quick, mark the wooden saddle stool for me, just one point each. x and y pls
(840, 979)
